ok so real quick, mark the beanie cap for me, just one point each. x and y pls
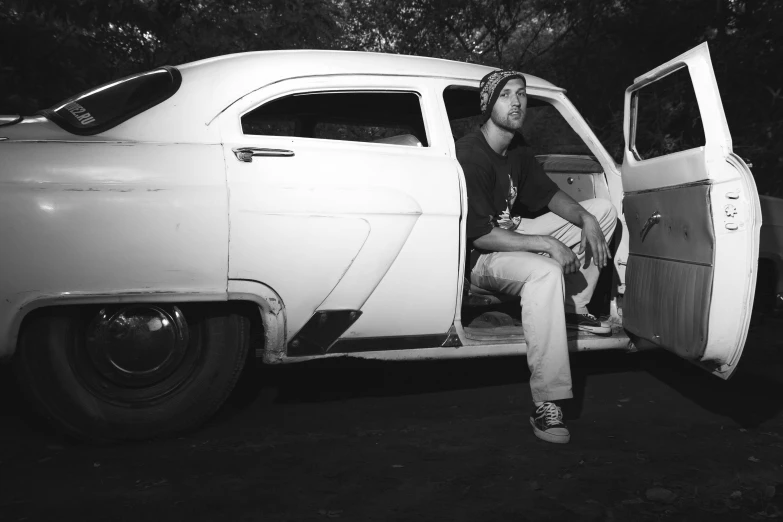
(491, 85)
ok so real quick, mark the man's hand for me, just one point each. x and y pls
(593, 237)
(564, 206)
(563, 255)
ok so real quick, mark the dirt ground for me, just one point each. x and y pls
(653, 438)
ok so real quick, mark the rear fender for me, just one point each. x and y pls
(12, 313)
(270, 306)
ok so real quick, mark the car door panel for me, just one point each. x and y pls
(669, 275)
(667, 302)
(676, 169)
(684, 231)
(693, 222)
(581, 187)
(309, 267)
(323, 239)
(417, 280)
(573, 174)
(401, 194)
(388, 235)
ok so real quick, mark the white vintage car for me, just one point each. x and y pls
(307, 204)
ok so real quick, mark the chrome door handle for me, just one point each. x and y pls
(246, 153)
(652, 220)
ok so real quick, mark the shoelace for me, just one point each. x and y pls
(587, 316)
(553, 414)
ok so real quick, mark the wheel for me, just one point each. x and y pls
(131, 371)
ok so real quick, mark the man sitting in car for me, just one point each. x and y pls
(529, 257)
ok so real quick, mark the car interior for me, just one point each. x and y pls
(569, 163)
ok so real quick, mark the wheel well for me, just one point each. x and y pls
(246, 308)
(257, 333)
(80, 365)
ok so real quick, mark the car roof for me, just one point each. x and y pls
(212, 85)
(237, 74)
(296, 62)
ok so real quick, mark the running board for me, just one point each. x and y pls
(583, 343)
(514, 334)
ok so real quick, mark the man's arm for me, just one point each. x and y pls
(567, 208)
(501, 240)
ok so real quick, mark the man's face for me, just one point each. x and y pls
(509, 110)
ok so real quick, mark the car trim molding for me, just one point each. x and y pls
(403, 342)
(272, 315)
(389, 75)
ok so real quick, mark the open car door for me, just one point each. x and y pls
(692, 214)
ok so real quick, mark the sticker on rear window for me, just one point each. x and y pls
(98, 110)
(79, 113)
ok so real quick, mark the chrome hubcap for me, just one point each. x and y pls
(137, 345)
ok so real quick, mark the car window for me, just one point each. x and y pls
(665, 117)
(544, 129)
(99, 109)
(348, 116)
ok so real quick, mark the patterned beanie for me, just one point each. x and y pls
(490, 87)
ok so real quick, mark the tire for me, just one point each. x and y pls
(62, 368)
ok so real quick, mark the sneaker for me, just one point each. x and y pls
(587, 323)
(547, 422)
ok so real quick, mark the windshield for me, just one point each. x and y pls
(99, 109)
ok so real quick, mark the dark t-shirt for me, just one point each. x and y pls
(497, 184)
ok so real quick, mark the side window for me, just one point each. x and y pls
(544, 129)
(665, 117)
(385, 117)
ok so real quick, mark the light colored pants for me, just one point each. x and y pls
(546, 295)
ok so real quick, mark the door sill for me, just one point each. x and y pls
(515, 334)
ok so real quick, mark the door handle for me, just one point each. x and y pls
(246, 153)
(652, 220)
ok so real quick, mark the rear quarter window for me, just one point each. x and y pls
(98, 110)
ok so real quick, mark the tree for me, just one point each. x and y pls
(53, 49)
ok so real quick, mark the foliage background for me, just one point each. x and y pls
(51, 49)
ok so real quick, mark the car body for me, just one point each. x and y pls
(308, 204)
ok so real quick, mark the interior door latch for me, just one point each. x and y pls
(652, 220)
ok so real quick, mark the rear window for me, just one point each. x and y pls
(104, 107)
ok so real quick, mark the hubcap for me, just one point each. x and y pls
(137, 346)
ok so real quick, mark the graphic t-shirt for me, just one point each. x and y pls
(497, 184)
